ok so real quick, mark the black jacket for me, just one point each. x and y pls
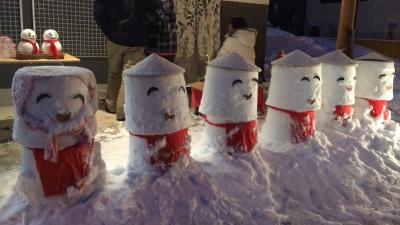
(124, 21)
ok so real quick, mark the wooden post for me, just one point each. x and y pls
(347, 23)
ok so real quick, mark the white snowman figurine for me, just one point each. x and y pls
(295, 94)
(229, 104)
(338, 89)
(157, 115)
(51, 44)
(28, 43)
(55, 125)
(374, 88)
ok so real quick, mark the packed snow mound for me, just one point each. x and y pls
(340, 176)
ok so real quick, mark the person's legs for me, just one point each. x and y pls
(115, 54)
(131, 56)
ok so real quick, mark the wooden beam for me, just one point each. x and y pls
(346, 29)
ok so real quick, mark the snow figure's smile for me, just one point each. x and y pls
(389, 88)
(168, 116)
(63, 117)
(248, 97)
(349, 88)
(311, 101)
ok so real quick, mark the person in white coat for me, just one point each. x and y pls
(240, 39)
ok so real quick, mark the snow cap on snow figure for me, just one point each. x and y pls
(338, 89)
(229, 101)
(374, 88)
(55, 124)
(294, 95)
(51, 44)
(157, 111)
(28, 43)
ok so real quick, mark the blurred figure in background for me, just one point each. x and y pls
(240, 39)
(125, 23)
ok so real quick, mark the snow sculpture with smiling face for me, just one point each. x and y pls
(229, 103)
(374, 86)
(28, 43)
(338, 88)
(295, 93)
(55, 124)
(157, 114)
(51, 44)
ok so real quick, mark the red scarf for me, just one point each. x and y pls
(378, 107)
(176, 147)
(343, 111)
(242, 137)
(52, 47)
(33, 43)
(303, 124)
(71, 167)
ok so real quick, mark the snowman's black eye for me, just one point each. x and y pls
(151, 89)
(81, 97)
(255, 80)
(305, 79)
(237, 82)
(182, 88)
(340, 79)
(317, 77)
(382, 76)
(42, 96)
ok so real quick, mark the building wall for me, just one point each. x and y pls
(372, 20)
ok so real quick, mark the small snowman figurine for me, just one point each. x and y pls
(374, 87)
(28, 43)
(229, 104)
(51, 44)
(338, 89)
(55, 124)
(295, 93)
(157, 115)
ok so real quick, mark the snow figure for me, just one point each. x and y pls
(157, 114)
(295, 93)
(374, 87)
(51, 44)
(55, 124)
(338, 89)
(229, 103)
(27, 43)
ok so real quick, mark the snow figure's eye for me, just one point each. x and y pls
(317, 77)
(340, 79)
(42, 96)
(151, 89)
(382, 76)
(305, 79)
(236, 82)
(255, 80)
(182, 88)
(81, 97)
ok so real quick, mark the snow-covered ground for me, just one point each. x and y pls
(337, 177)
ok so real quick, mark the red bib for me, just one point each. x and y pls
(175, 148)
(378, 107)
(303, 124)
(71, 167)
(34, 46)
(343, 111)
(241, 137)
(52, 47)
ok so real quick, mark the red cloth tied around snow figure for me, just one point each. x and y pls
(302, 124)
(229, 104)
(176, 146)
(242, 137)
(52, 47)
(343, 111)
(69, 170)
(378, 108)
(33, 43)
